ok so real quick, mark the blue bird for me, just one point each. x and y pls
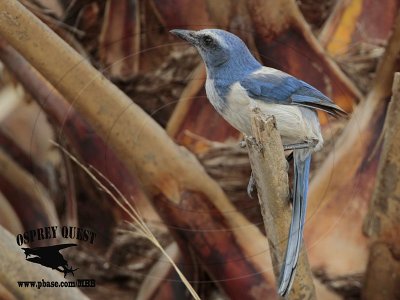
(237, 83)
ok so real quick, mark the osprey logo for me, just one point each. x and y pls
(50, 257)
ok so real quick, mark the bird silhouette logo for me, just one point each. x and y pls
(50, 257)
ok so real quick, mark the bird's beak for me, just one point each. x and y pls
(187, 35)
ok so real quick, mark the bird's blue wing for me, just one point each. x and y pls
(274, 86)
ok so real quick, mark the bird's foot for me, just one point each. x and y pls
(251, 186)
(251, 139)
(307, 144)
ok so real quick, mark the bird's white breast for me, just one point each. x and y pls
(235, 112)
(293, 125)
(213, 96)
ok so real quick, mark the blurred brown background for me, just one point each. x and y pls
(347, 49)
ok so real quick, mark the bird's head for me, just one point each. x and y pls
(218, 47)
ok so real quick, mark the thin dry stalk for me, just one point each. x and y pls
(137, 221)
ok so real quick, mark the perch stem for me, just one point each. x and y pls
(268, 165)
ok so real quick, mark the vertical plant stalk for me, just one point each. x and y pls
(382, 223)
(269, 169)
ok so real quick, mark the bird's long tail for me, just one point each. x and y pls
(302, 159)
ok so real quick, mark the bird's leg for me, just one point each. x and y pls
(251, 186)
(252, 183)
(306, 144)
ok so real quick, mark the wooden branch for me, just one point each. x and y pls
(14, 268)
(269, 168)
(123, 124)
(382, 223)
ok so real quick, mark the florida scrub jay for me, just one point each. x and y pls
(236, 83)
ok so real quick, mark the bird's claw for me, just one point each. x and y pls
(306, 144)
(251, 186)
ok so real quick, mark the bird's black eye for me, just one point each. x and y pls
(207, 40)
